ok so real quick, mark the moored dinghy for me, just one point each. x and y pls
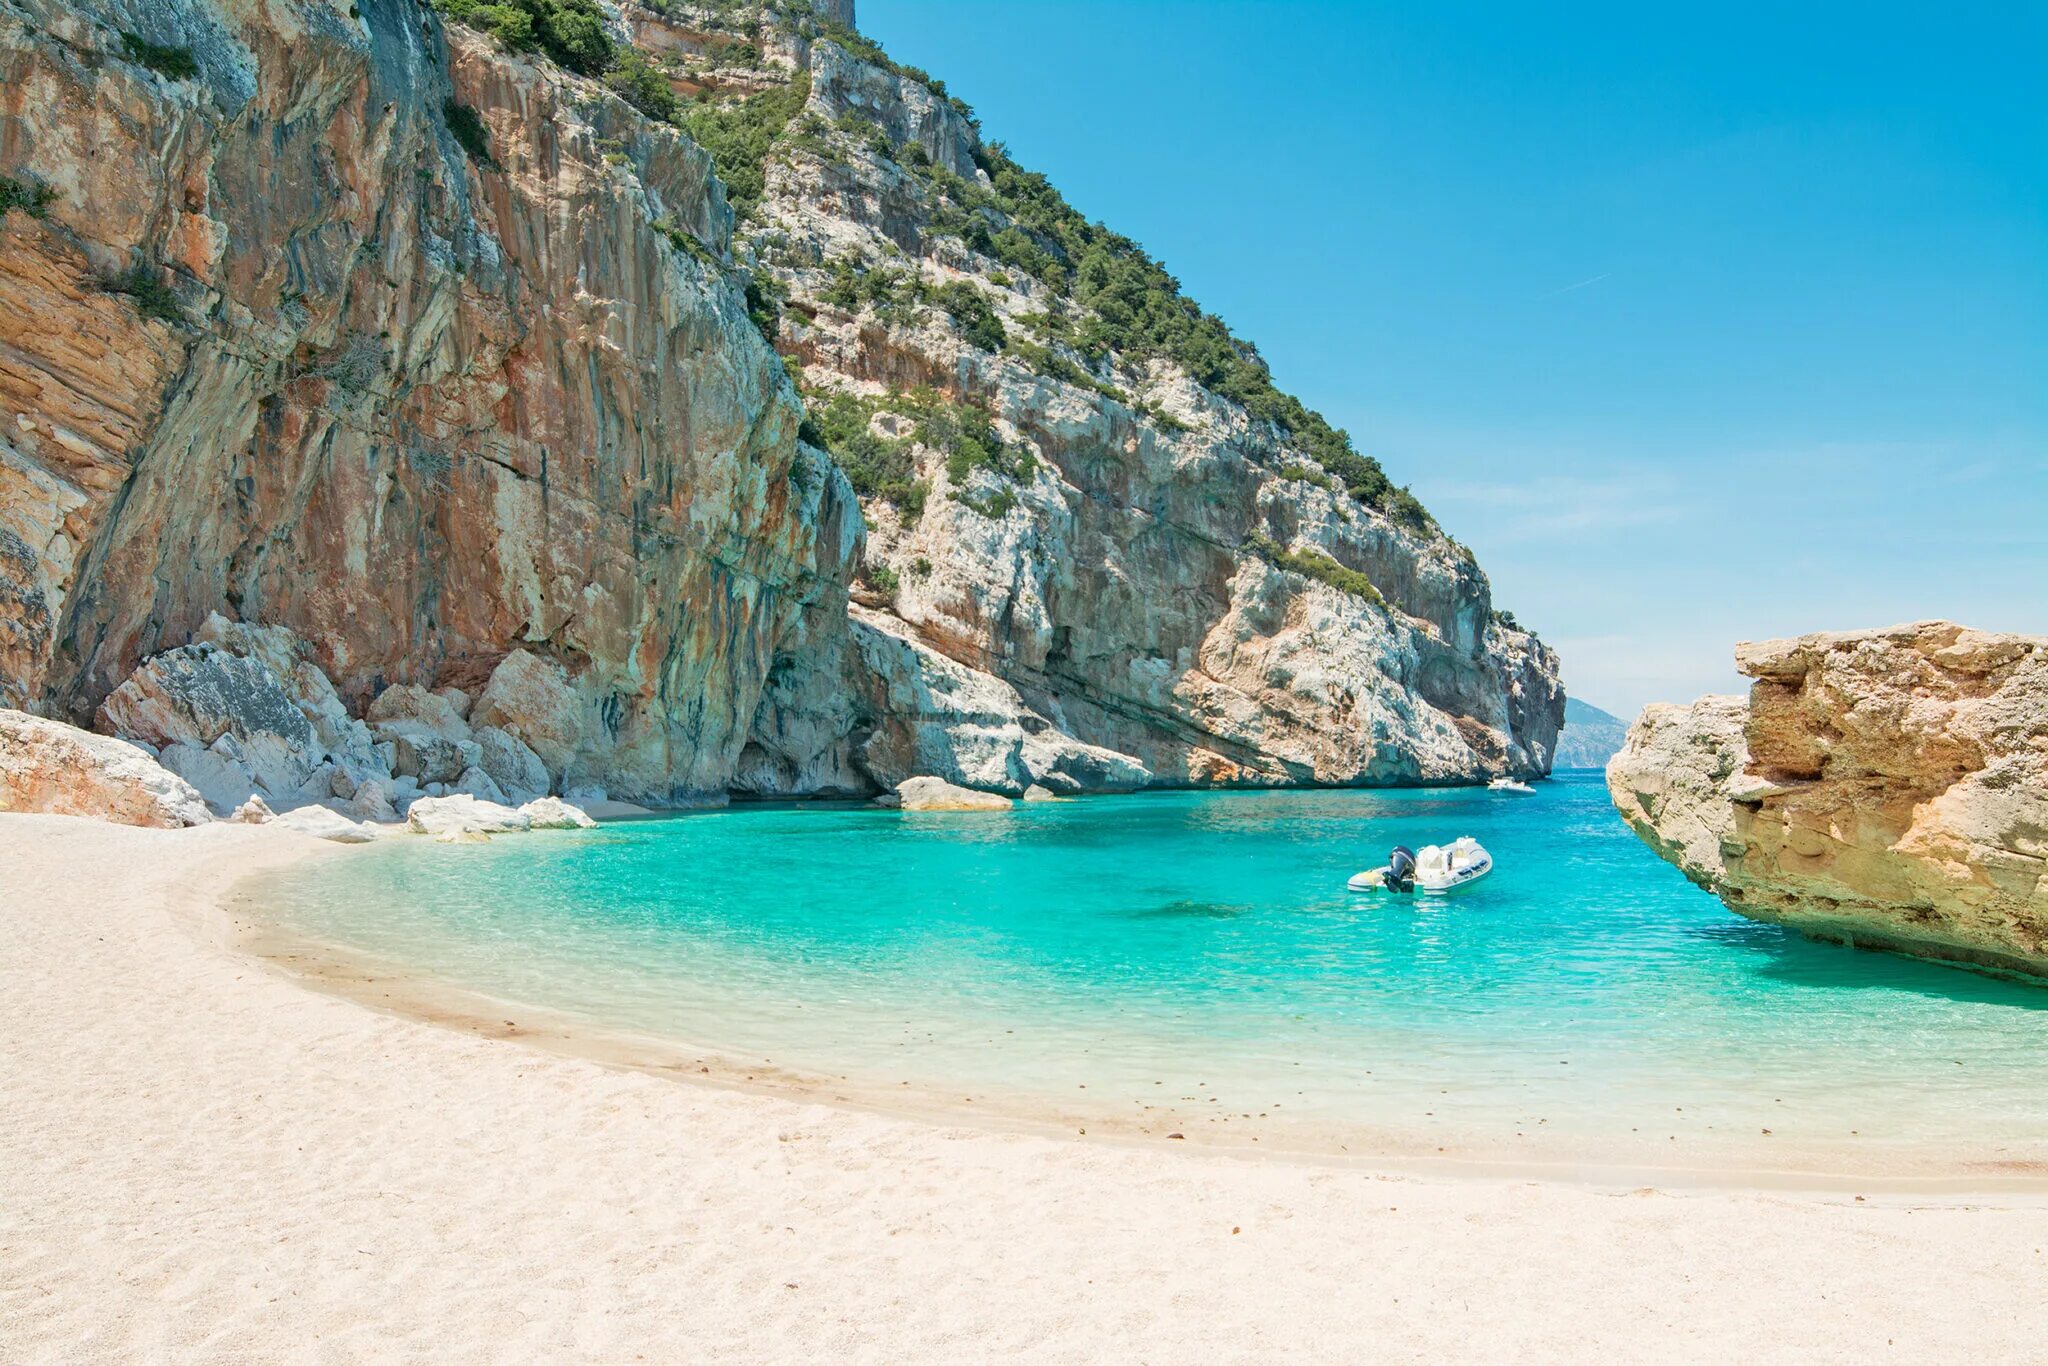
(1434, 868)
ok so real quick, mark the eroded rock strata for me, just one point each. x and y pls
(1881, 788)
(344, 349)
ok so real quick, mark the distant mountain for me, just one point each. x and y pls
(1589, 738)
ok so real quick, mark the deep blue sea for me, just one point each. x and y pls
(1171, 961)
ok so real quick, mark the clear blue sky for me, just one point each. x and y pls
(1697, 323)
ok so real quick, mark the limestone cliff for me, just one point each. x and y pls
(1881, 788)
(444, 360)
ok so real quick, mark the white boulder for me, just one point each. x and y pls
(322, 823)
(464, 814)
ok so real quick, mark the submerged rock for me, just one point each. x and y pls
(1887, 789)
(49, 766)
(936, 794)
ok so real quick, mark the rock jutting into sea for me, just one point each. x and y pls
(388, 411)
(1887, 789)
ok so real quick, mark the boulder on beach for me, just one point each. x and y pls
(513, 766)
(936, 794)
(463, 814)
(406, 703)
(552, 813)
(51, 767)
(532, 698)
(322, 823)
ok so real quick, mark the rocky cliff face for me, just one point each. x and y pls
(1881, 788)
(346, 320)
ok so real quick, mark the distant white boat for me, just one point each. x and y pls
(1435, 868)
(1514, 785)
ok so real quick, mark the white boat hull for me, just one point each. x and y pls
(1440, 870)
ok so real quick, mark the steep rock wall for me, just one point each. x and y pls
(419, 406)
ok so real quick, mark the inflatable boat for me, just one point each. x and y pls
(1434, 868)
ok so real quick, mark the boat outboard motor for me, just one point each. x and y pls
(1400, 874)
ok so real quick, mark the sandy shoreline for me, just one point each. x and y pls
(1702, 1163)
(202, 1159)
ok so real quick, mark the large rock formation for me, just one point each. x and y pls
(344, 350)
(1880, 788)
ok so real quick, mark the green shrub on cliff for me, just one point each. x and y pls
(174, 62)
(838, 425)
(856, 286)
(641, 84)
(468, 128)
(573, 33)
(30, 196)
(970, 308)
(1314, 564)
(570, 31)
(147, 291)
(739, 135)
(968, 440)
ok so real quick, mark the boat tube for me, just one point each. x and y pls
(1435, 868)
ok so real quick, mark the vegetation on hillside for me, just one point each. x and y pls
(175, 62)
(32, 197)
(739, 135)
(1314, 564)
(839, 425)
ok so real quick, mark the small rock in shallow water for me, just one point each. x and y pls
(936, 794)
(552, 813)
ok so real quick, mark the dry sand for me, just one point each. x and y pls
(201, 1159)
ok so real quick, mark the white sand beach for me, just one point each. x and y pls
(201, 1159)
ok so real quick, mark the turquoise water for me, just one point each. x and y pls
(1167, 961)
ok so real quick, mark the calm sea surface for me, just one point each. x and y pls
(1175, 960)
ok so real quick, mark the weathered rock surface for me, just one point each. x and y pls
(49, 766)
(423, 409)
(1882, 788)
(936, 794)
(384, 446)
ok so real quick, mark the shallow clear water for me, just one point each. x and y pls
(1171, 960)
